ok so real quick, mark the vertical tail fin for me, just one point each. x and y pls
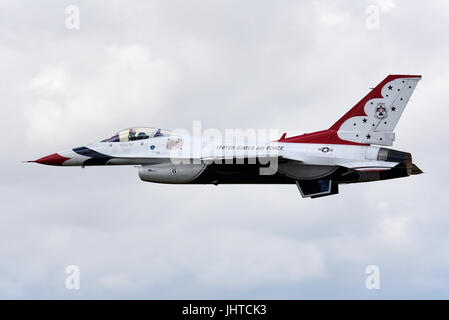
(373, 119)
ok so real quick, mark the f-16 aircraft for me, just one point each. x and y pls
(350, 151)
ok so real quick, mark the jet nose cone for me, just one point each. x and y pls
(52, 160)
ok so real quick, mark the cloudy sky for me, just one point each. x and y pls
(292, 65)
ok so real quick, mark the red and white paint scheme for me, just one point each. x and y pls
(350, 151)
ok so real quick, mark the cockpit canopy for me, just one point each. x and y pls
(135, 133)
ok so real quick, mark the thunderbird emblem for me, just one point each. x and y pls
(381, 111)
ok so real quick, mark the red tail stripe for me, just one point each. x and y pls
(325, 136)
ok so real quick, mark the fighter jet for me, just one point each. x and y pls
(350, 151)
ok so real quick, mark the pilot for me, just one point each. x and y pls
(132, 134)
